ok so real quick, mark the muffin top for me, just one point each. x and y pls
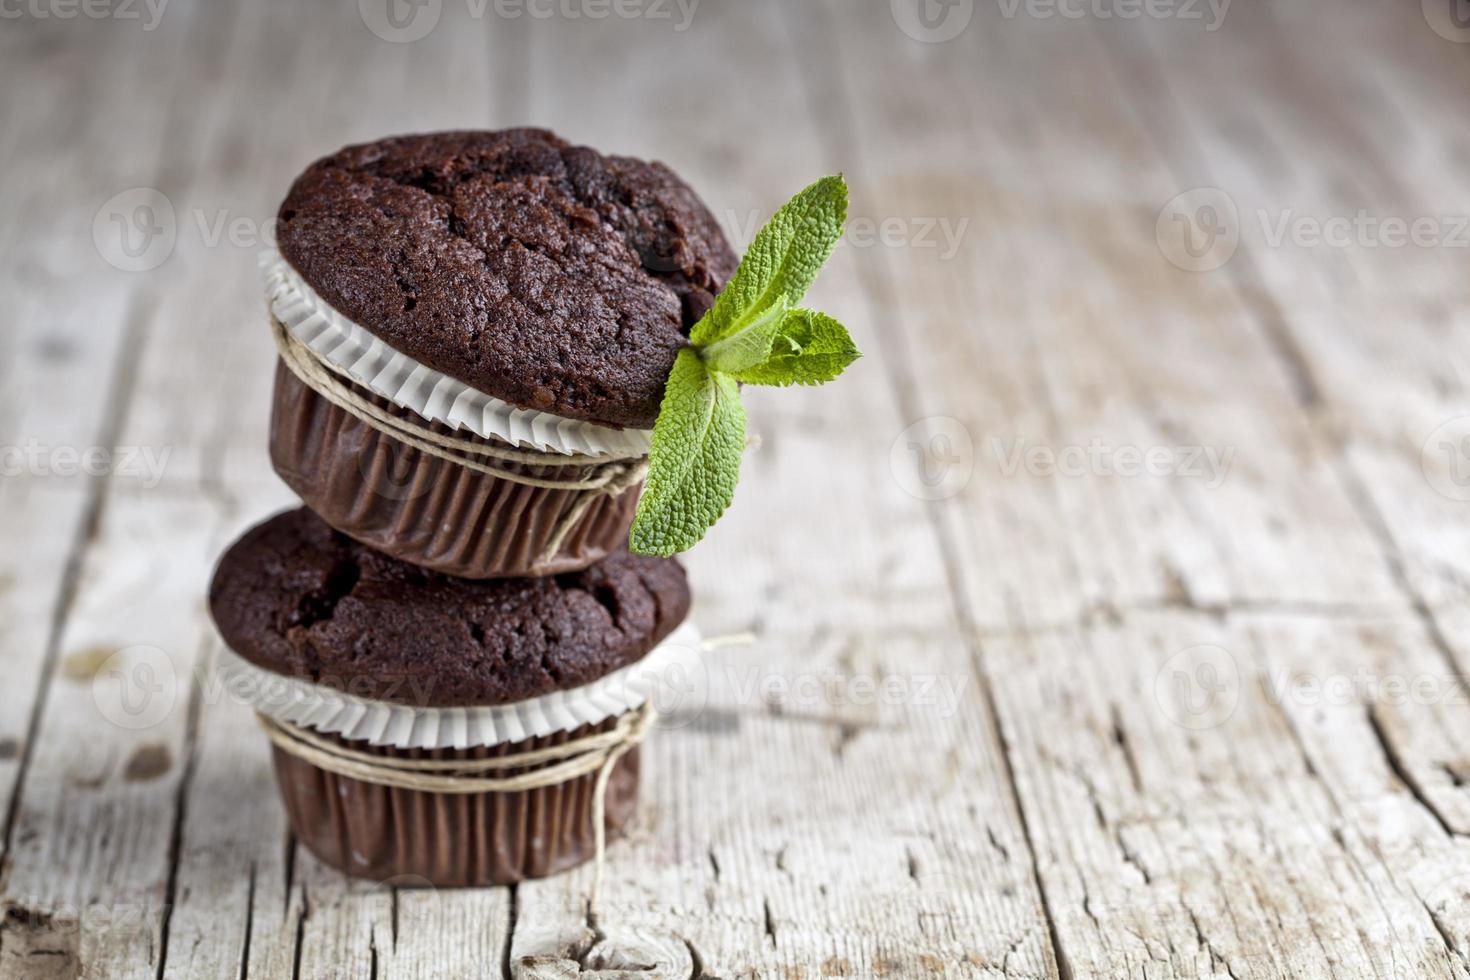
(545, 274)
(295, 597)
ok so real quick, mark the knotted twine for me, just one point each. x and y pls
(597, 752)
(329, 381)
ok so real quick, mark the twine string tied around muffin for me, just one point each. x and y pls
(596, 752)
(609, 478)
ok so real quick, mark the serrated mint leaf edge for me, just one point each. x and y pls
(805, 210)
(800, 366)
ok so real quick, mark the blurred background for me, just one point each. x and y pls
(1164, 317)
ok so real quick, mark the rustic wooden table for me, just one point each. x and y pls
(1111, 612)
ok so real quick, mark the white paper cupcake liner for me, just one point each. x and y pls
(402, 380)
(384, 723)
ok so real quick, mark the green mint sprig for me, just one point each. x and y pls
(754, 334)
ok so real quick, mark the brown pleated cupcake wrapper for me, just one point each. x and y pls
(453, 840)
(428, 510)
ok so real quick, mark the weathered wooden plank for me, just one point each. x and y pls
(59, 352)
(1372, 313)
(72, 319)
(1057, 327)
(1383, 393)
(806, 834)
(1115, 348)
(1245, 822)
(95, 824)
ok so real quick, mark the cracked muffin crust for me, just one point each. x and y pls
(297, 598)
(545, 274)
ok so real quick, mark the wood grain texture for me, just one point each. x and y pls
(1010, 712)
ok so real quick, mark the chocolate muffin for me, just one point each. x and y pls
(545, 274)
(295, 599)
(476, 329)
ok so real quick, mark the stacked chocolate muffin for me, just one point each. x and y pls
(449, 647)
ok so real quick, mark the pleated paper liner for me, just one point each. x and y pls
(453, 840)
(330, 708)
(435, 396)
(429, 510)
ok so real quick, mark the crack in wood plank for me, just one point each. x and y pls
(1401, 771)
(181, 809)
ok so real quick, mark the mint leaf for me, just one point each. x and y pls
(750, 334)
(751, 344)
(694, 464)
(782, 260)
(810, 348)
